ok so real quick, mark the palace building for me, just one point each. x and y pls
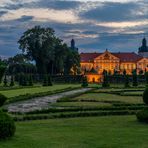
(93, 64)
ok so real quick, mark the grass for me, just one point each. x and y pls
(119, 89)
(110, 97)
(133, 93)
(81, 104)
(96, 132)
(33, 90)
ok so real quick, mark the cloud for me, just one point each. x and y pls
(117, 12)
(4, 3)
(95, 25)
(40, 14)
(2, 12)
(123, 24)
(121, 1)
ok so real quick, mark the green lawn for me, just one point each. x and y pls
(81, 104)
(92, 132)
(119, 89)
(23, 91)
(133, 93)
(110, 97)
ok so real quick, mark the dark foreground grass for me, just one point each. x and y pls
(93, 132)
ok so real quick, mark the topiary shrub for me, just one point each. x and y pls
(2, 99)
(84, 82)
(23, 79)
(2, 71)
(146, 77)
(49, 81)
(30, 80)
(105, 79)
(12, 81)
(45, 81)
(126, 85)
(5, 81)
(142, 116)
(135, 78)
(7, 126)
(145, 96)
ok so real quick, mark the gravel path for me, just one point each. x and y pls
(40, 103)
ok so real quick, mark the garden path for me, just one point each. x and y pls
(40, 103)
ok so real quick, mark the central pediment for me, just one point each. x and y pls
(106, 56)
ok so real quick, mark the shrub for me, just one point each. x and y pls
(7, 126)
(142, 116)
(84, 82)
(2, 99)
(145, 96)
(105, 79)
(30, 81)
(126, 81)
(22, 80)
(49, 81)
(124, 72)
(146, 77)
(12, 81)
(5, 81)
(135, 79)
(45, 81)
(2, 71)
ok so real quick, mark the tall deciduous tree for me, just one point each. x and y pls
(39, 43)
(49, 52)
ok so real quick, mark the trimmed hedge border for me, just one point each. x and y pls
(73, 115)
(120, 92)
(77, 109)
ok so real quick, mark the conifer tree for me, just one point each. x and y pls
(124, 72)
(30, 81)
(84, 81)
(49, 81)
(45, 81)
(146, 77)
(20, 79)
(12, 81)
(135, 78)
(127, 81)
(24, 80)
(5, 81)
(105, 79)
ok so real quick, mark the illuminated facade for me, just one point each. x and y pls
(93, 64)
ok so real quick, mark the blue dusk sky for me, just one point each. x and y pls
(118, 25)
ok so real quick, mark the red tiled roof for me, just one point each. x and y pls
(88, 57)
(127, 57)
(123, 56)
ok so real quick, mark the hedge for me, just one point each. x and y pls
(7, 126)
(74, 114)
